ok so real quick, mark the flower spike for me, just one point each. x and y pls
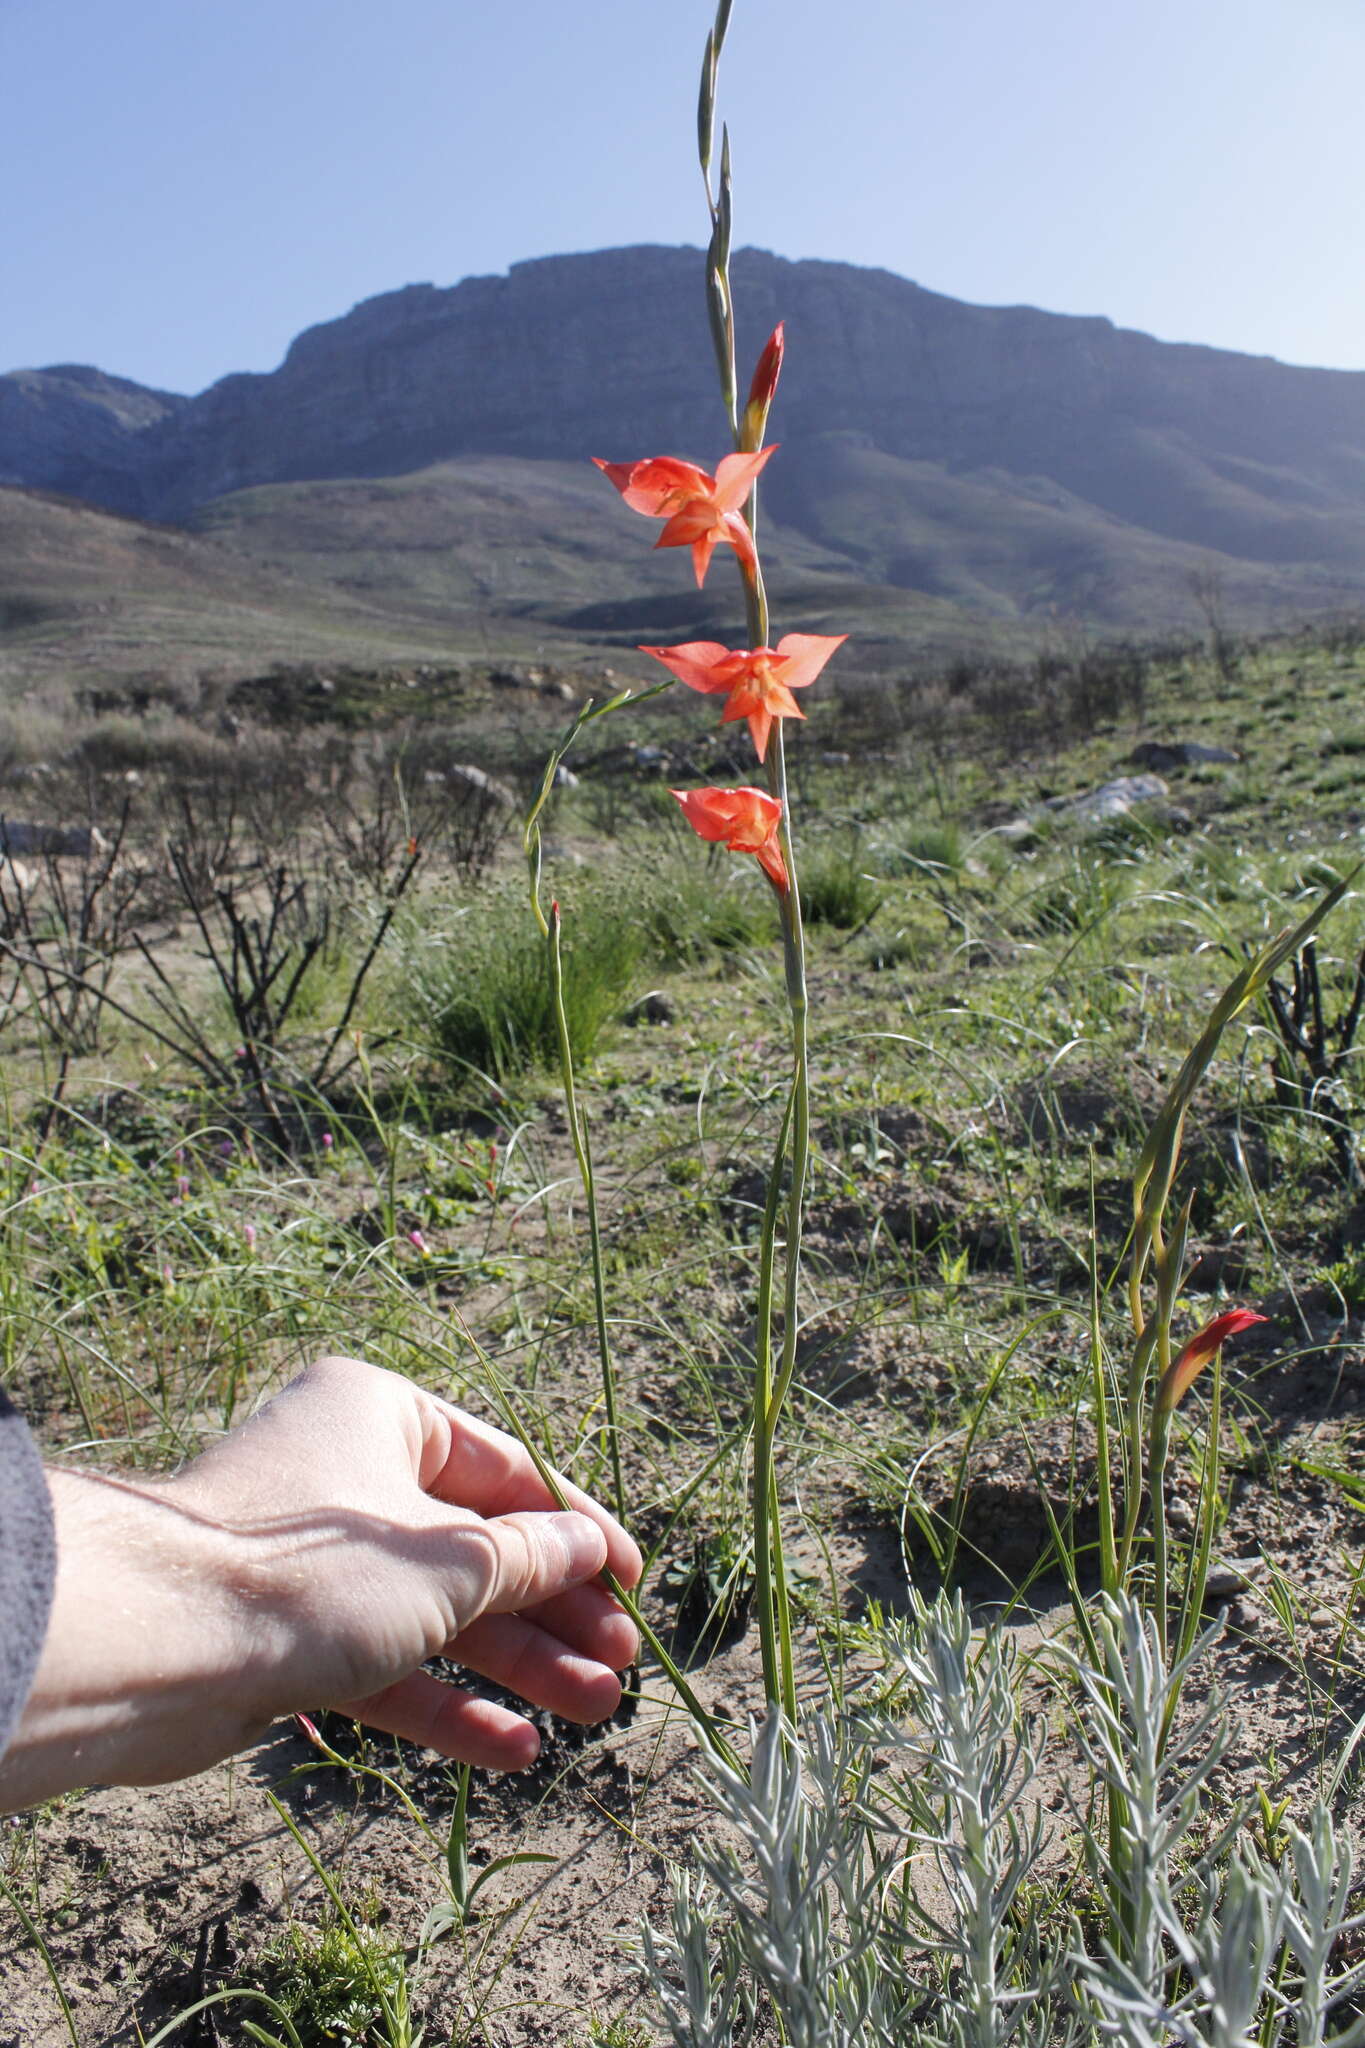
(745, 820)
(701, 510)
(1197, 1354)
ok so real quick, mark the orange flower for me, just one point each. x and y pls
(755, 416)
(1197, 1354)
(759, 683)
(701, 510)
(745, 820)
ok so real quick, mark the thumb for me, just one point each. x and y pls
(532, 1556)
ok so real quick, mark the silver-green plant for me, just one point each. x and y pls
(788, 1912)
(1219, 1976)
(886, 1879)
(967, 1791)
(1206, 1940)
(1258, 1962)
(876, 1881)
(1151, 1849)
(1318, 1923)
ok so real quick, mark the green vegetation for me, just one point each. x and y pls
(998, 1016)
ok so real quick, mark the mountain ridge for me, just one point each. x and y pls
(1011, 460)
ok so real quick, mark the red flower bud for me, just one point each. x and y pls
(1198, 1352)
(762, 389)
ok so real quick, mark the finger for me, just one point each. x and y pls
(538, 1667)
(589, 1621)
(510, 1562)
(446, 1718)
(471, 1464)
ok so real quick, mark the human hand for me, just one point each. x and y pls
(318, 1555)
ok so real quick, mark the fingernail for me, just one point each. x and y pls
(584, 1544)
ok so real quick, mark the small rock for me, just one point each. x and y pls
(1112, 799)
(1159, 754)
(1232, 1576)
(1020, 832)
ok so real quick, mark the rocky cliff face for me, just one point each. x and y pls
(608, 354)
(73, 429)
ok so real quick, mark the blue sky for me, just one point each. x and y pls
(189, 185)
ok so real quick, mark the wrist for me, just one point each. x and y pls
(141, 1674)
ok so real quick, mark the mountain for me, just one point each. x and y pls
(74, 429)
(993, 463)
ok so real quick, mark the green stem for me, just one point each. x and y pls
(1109, 1576)
(782, 1609)
(770, 1392)
(765, 1511)
(1201, 1547)
(770, 1396)
(1161, 1439)
(706, 1723)
(1135, 1426)
(578, 1132)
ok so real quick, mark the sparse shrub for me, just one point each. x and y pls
(1343, 636)
(64, 936)
(914, 848)
(173, 745)
(30, 733)
(835, 890)
(480, 990)
(1207, 590)
(390, 793)
(1316, 1057)
(333, 1984)
(687, 910)
(1080, 898)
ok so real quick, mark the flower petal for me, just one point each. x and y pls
(702, 551)
(804, 655)
(658, 485)
(696, 663)
(736, 476)
(746, 820)
(771, 861)
(736, 531)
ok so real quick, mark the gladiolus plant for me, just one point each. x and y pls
(702, 511)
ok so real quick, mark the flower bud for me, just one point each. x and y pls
(1197, 1353)
(761, 391)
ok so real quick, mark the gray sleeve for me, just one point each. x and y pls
(28, 1562)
